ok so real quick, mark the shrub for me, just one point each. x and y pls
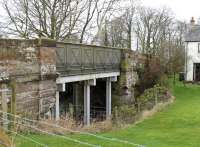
(149, 75)
(151, 97)
(124, 114)
(164, 81)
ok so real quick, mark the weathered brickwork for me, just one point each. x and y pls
(32, 64)
(27, 98)
(47, 60)
(47, 91)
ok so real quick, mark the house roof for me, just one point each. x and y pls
(193, 34)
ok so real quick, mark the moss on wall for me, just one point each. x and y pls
(124, 88)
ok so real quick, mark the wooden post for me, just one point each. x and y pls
(13, 102)
(156, 95)
(4, 105)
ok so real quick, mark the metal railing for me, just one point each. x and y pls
(75, 59)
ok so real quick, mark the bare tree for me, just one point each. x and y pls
(118, 30)
(97, 12)
(55, 19)
(128, 21)
(105, 11)
(91, 8)
(151, 27)
(176, 48)
(0, 30)
(161, 37)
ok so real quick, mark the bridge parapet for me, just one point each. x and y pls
(78, 59)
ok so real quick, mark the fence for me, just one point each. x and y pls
(38, 127)
(77, 112)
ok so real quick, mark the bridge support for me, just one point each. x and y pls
(87, 80)
(87, 85)
(60, 87)
(109, 95)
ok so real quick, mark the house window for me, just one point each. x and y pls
(198, 47)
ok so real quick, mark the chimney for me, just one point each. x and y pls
(192, 21)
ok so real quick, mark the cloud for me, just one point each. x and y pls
(183, 9)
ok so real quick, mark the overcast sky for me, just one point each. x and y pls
(183, 9)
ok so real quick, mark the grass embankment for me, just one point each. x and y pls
(178, 125)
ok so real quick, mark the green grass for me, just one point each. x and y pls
(178, 125)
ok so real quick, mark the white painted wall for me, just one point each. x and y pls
(192, 56)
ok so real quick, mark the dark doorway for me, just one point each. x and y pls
(196, 71)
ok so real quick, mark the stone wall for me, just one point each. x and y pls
(123, 90)
(32, 65)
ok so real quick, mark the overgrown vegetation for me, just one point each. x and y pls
(152, 97)
(124, 114)
(151, 89)
(147, 101)
(150, 74)
(5, 140)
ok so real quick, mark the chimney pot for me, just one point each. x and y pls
(192, 21)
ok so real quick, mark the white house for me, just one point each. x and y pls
(192, 52)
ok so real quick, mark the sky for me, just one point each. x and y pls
(183, 9)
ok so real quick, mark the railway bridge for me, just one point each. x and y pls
(87, 64)
(49, 76)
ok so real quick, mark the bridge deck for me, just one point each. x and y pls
(79, 59)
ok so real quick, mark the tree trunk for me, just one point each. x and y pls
(174, 78)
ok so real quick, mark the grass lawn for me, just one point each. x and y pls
(176, 126)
